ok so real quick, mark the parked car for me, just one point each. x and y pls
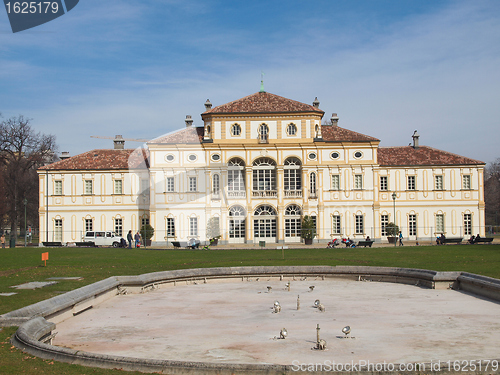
(105, 238)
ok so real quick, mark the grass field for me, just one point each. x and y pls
(22, 265)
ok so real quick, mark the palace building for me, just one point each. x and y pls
(255, 168)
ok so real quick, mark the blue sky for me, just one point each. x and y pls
(137, 68)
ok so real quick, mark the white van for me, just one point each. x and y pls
(105, 238)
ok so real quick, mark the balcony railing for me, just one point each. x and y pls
(312, 194)
(236, 194)
(265, 194)
(293, 193)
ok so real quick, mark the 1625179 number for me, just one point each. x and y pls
(32, 7)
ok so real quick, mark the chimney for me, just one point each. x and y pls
(208, 105)
(189, 121)
(64, 155)
(334, 119)
(316, 102)
(119, 142)
(415, 137)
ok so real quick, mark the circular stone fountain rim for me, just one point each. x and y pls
(34, 327)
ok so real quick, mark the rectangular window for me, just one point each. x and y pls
(440, 223)
(89, 225)
(119, 227)
(358, 181)
(438, 182)
(170, 227)
(412, 225)
(336, 224)
(411, 183)
(144, 221)
(466, 182)
(118, 187)
(192, 183)
(193, 226)
(467, 224)
(58, 187)
(88, 186)
(335, 182)
(384, 220)
(58, 230)
(170, 184)
(359, 225)
(383, 183)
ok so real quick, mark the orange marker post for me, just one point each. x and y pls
(45, 257)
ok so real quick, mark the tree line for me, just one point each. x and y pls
(22, 152)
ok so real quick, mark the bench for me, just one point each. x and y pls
(452, 240)
(179, 244)
(365, 243)
(85, 244)
(483, 240)
(52, 244)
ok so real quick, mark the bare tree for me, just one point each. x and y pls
(492, 193)
(22, 151)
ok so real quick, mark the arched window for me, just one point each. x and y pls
(293, 222)
(265, 210)
(236, 130)
(264, 223)
(293, 174)
(237, 211)
(264, 177)
(237, 220)
(312, 184)
(263, 133)
(216, 185)
(236, 178)
(291, 129)
(293, 210)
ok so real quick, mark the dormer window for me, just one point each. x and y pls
(291, 129)
(263, 133)
(236, 130)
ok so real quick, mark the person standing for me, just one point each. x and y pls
(137, 238)
(2, 241)
(129, 239)
(400, 238)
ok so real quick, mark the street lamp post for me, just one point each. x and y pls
(394, 196)
(25, 201)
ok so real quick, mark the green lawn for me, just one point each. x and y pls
(22, 265)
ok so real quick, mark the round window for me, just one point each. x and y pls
(335, 155)
(169, 157)
(358, 154)
(312, 156)
(215, 157)
(192, 157)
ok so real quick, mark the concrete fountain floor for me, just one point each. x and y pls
(232, 322)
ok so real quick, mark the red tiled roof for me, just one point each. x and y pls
(184, 136)
(337, 134)
(103, 160)
(423, 155)
(263, 102)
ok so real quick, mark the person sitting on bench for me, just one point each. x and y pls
(472, 239)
